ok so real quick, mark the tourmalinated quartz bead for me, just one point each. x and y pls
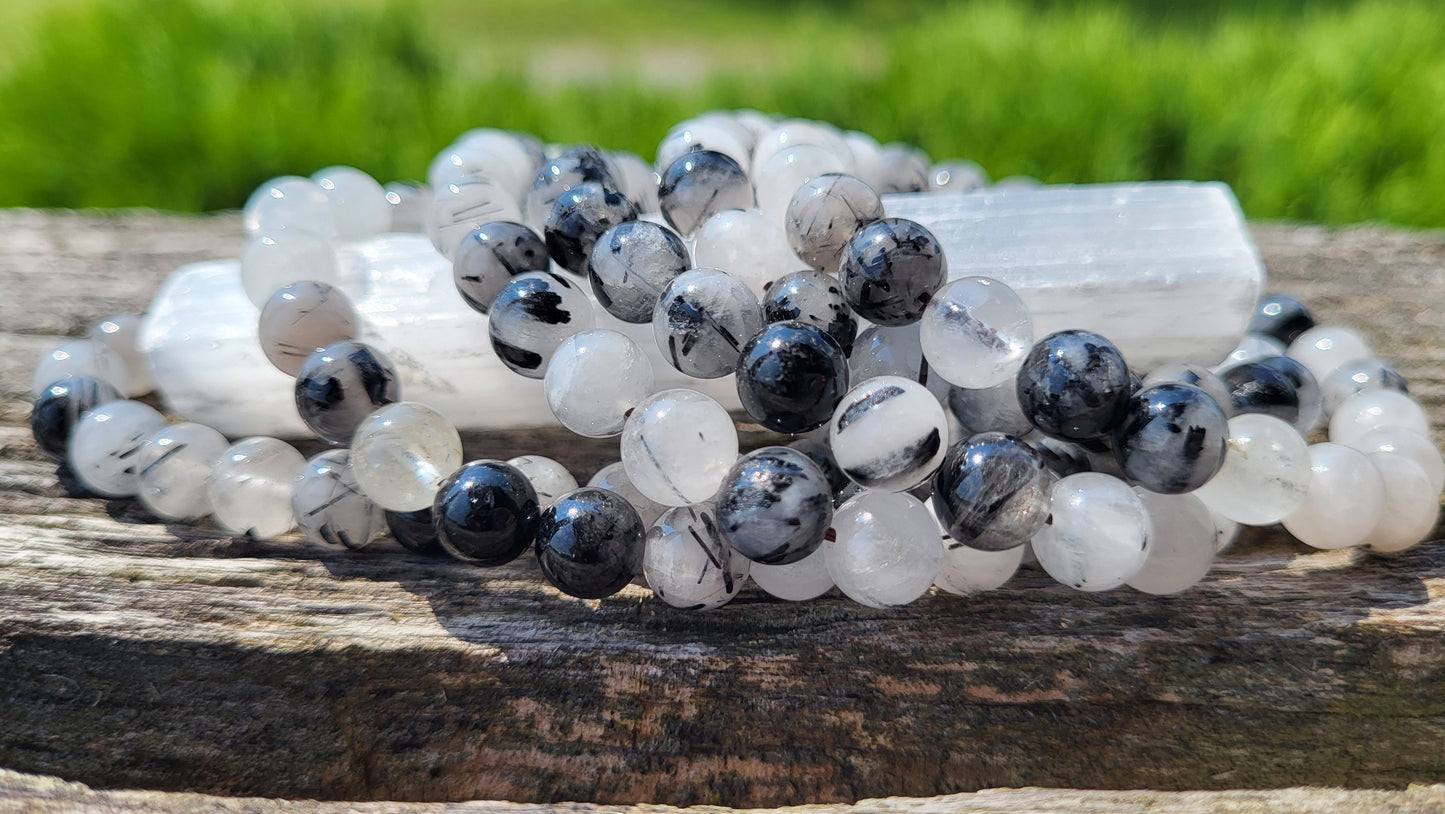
(1375, 409)
(1197, 375)
(491, 255)
(61, 406)
(1226, 531)
(549, 478)
(991, 493)
(989, 409)
(774, 505)
(340, 385)
(890, 270)
(1324, 349)
(791, 376)
(789, 133)
(698, 185)
(883, 350)
(632, 263)
(822, 455)
(799, 581)
(779, 178)
(272, 261)
(302, 318)
(975, 332)
(1182, 543)
(902, 168)
(825, 213)
(508, 159)
(1344, 502)
(416, 531)
(1171, 438)
(578, 218)
(105, 445)
(1255, 387)
(637, 180)
(1413, 445)
(330, 507)
(1251, 347)
(590, 543)
(1098, 536)
(594, 378)
(677, 445)
(687, 564)
(1266, 472)
(816, 299)
(1282, 317)
(1411, 504)
(175, 465)
(250, 488)
(1074, 385)
(965, 571)
(579, 165)
(1061, 457)
(747, 244)
(78, 358)
(358, 202)
(532, 316)
(888, 433)
(1306, 389)
(887, 549)
(702, 320)
(613, 478)
(486, 513)
(118, 355)
(461, 206)
(288, 202)
(1358, 376)
(402, 452)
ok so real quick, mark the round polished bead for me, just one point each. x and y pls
(115, 340)
(1411, 504)
(867, 158)
(77, 358)
(1266, 472)
(975, 332)
(1344, 502)
(631, 264)
(677, 445)
(814, 298)
(637, 180)
(779, 178)
(416, 531)
(957, 176)
(60, 407)
(302, 318)
(883, 350)
(613, 478)
(105, 443)
(409, 205)
(503, 157)
(1192, 374)
(330, 507)
(1182, 543)
(578, 165)
(1413, 445)
(1098, 536)
(902, 168)
(890, 270)
(1061, 457)
(992, 492)
(1074, 385)
(704, 134)
(1323, 349)
(486, 513)
(532, 316)
(887, 549)
(989, 409)
(1171, 438)
(273, 261)
(402, 452)
(1226, 531)
(1358, 376)
(461, 206)
(491, 255)
(549, 478)
(1282, 317)
(822, 455)
(1251, 347)
(824, 215)
(175, 465)
(358, 202)
(791, 376)
(686, 562)
(965, 571)
(747, 244)
(1255, 387)
(288, 202)
(789, 133)
(700, 184)
(1374, 409)
(774, 505)
(340, 385)
(590, 543)
(578, 218)
(702, 319)
(799, 581)
(888, 433)
(594, 378)
(1306, 389)
(250, 488)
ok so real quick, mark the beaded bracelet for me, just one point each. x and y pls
(940, 444)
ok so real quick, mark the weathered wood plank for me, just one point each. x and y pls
(174, 658)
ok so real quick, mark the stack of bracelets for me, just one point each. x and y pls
(1056, 450)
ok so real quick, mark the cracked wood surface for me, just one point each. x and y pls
(170, 658)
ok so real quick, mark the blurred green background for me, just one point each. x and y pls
(1323, 111)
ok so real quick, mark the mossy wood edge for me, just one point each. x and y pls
(136, 655)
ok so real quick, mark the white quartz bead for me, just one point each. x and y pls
(461, 206)
(329, 506)
(1356, 376)
(956, 176)
(1323, 349)
(250, 488)
(799, 581)
(106, 443)
(747, 244)
(703, 134)
(887, 549)
(1252, 346)
(302, 318)
(272, 261)
(613, 478)
(976, 332)
(1266, 472)
(1400, 441)
(1182, 543)
(639, 181)
(288, 203)
(867, 155)
(549, 479)
(791, 133)
(594, 378)
(175, 465)
(888, 433)
(78, 358)
(402, 452)
(1098, 537)
(409, 206)
(358, 202)
(965, 570)
(1226, 531)
(779, 178)
(1412, 504)
(117, 353)
(486, 154)
(686, 562)
(1373, 410)
(1345, 501)
(677, 445)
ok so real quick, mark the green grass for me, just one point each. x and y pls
(1330, 112)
